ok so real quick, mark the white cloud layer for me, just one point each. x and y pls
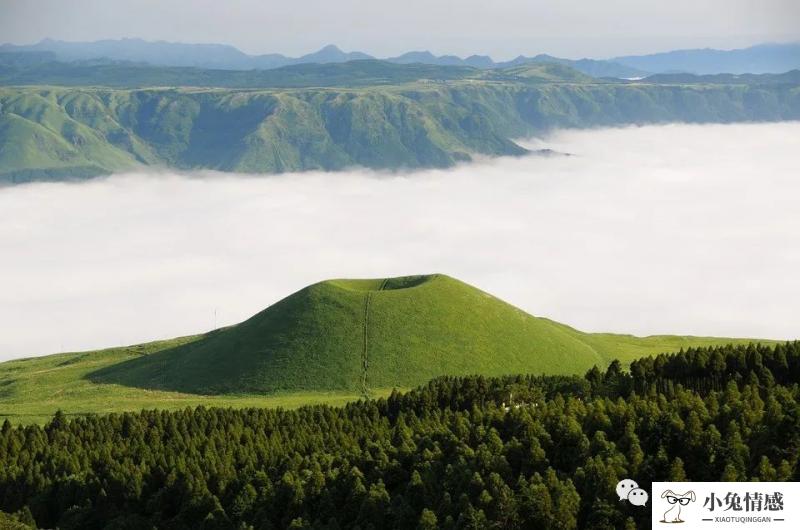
(661, 229)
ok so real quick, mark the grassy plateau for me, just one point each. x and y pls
(331, 117)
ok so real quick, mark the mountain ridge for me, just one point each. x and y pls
(760, 58)
(165, 53)
(59, 133)
(222, 56)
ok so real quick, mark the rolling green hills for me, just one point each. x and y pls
(407, 120)
(330, 342)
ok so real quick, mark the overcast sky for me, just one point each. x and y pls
(503, 29)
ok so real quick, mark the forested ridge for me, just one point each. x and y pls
(530, 452)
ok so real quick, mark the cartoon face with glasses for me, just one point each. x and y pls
(676, 500)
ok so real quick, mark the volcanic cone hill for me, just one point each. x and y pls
(353, 335)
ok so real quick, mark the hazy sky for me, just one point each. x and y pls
(503, 29)
(664, 229)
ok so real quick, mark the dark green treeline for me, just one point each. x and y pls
(448, 455)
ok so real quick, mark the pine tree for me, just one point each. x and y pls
(676, 471)
(427, 520)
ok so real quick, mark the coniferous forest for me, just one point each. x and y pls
(521, 452)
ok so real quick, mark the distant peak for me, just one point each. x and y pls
(418, 53)
(330, 48)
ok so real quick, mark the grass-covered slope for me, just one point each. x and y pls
(328, 343)
(75, 137)
(348, 335)
(54, 133)
(353, 335)
(31, 390)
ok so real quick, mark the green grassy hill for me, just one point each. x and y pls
(546, 73)
(351, 334)
(54, 133)
(330, 342)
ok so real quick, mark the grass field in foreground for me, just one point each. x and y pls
(31, 390)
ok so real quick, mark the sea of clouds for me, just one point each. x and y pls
(684, 229)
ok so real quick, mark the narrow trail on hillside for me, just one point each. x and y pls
(365, 350)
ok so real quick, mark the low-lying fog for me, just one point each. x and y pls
(662, 229)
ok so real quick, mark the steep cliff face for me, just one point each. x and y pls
(62, 133)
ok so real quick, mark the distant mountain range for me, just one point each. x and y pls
(761, 59)
(766, 58)
(160, 53)
(224, 57)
